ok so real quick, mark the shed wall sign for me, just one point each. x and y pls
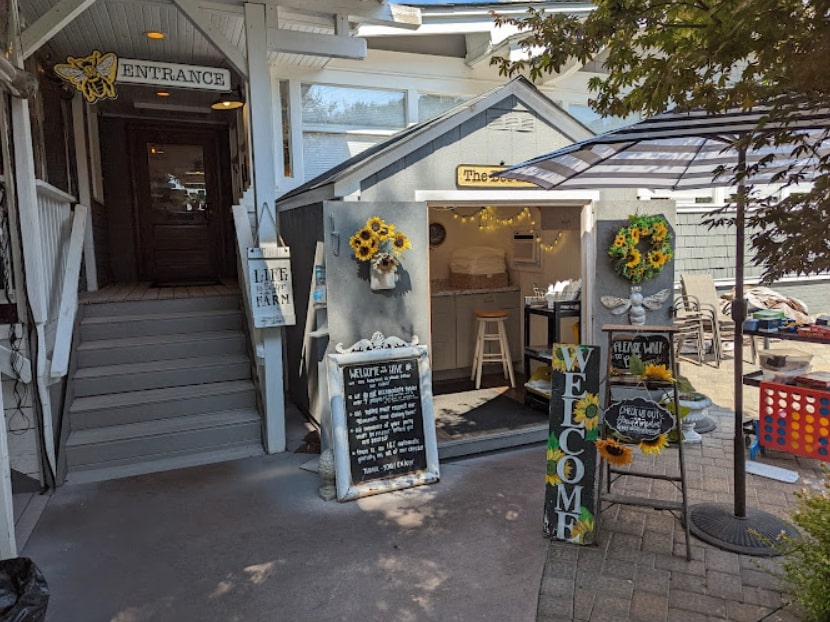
(271, 295)
(476, 176)
(133, 71)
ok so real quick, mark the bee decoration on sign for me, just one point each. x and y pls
(636, 304)
(93, 75)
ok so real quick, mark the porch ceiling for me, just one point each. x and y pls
(119, 26)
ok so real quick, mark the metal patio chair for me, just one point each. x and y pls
(690, 323)
(699, 292)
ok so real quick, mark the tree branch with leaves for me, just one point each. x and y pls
(711, 56)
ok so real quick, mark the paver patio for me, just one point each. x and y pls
(638, 571)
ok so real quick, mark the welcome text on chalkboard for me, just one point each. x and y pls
(384, 425)
(383, 417)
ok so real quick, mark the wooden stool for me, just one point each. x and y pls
(486, 319)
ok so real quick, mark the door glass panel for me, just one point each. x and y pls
(177, 182)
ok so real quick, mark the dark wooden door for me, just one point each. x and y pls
(180, 203)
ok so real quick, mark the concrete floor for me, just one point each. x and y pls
(250, 540)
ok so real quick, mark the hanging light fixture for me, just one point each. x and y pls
(229, 101)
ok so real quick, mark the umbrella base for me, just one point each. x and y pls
(754, 534)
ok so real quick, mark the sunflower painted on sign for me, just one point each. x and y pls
(554, 455)
(93, 76)
(586, 412)
(552, 476)
(559, 360)
(584, 527)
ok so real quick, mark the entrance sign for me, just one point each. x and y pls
(96, 75)
(271, 295)
(382, 417)
(652, 350)
(174, 75)
(571, 455)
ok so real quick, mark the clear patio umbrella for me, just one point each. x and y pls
(684, 151)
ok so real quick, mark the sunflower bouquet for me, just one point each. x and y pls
(380, 243)
(641, 249)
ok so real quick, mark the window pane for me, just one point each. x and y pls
(353, 107)
(177, 181)
(323, 151)
(432, 105)
(285, 106)
(594, 121)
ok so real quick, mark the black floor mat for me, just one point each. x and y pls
(485, 411)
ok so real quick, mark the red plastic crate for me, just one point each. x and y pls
(795, 420)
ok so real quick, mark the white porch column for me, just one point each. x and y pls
(84, 191)
(260, 109)
(27, 205)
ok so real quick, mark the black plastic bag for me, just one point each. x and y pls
(24, 593)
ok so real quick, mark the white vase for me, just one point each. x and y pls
(382, 279)
(698, 408)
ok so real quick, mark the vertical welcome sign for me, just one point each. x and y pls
(571, 454)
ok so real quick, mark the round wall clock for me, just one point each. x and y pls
(437, 233)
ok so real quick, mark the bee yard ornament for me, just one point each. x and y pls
(636, 304)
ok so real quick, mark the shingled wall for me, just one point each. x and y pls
(699, 249)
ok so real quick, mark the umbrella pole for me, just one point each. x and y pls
(738, 316)
(736, 529)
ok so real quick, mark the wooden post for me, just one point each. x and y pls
(260, 109)
(32, 256)
(84, 189)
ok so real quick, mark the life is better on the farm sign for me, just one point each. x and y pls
(570, 503)
(271, 295)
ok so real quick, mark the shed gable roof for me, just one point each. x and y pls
(345, 178)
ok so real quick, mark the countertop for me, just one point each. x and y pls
(441, 287)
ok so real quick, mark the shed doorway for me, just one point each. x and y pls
(498, 256)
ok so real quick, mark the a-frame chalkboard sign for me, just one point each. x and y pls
(382, 417)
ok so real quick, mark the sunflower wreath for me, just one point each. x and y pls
(641, 249)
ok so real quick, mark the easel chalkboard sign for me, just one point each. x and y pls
(382, 417)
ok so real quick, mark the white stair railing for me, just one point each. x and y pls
(62, 234)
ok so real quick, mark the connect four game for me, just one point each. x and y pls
(795, 420)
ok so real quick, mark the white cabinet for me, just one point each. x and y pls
(454, 325)
(443, 333)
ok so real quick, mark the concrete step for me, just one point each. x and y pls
(153, 404)
(117, 469)
(160, 374)
(171, 305)
(161, 385)
(137, 441)
(104, 352)
(123, 326)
